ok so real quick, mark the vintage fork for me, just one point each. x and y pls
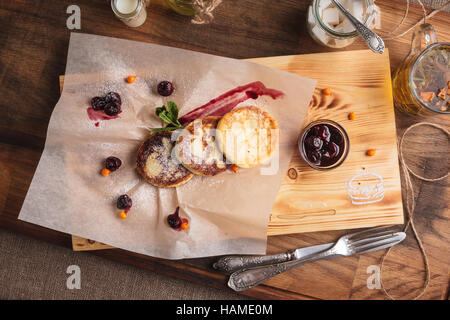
(348, 245)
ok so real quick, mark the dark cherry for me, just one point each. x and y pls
(326, 155)
(112, 163)
(112, 108)
(98, 103)
(323, 132)
(174, 219)
(315, 156)
(336, 136)
(165, 88)
(124, 202)
(333, 149)
(315, 142)
(113, 97)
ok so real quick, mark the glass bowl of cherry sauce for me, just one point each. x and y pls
(324, 144)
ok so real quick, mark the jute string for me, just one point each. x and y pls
(410, 206)
(407, 172)
(405, 15)
(204, 10)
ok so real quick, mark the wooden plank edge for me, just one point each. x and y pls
(184, 271)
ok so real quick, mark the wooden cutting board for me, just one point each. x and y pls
(364, 191)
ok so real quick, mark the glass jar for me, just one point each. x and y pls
(324, 144)
(131, 12)
(183, 7)
(338, 32)
(421, 85)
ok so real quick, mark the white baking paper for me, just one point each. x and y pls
(228, 213)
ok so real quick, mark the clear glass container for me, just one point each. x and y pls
(183, 7)
(131, 12)
(340, 34)
(421, 84)
(338, 136)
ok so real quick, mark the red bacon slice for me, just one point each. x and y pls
(227, 101)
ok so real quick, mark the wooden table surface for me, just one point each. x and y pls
(33, 48)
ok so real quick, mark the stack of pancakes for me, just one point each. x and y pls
(246, 137)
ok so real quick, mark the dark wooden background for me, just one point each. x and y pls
(33, 48)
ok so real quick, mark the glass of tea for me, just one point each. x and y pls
(421, 84)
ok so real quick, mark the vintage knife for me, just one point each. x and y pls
(234, 263)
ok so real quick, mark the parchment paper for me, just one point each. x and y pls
(228, 213)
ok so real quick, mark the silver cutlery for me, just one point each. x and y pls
(371, 38)
(355, 243)
(234, 263)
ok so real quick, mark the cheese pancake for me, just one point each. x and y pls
(247, 136)
(197, 150)
(157, 165)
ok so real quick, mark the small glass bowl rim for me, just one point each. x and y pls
(331, 123)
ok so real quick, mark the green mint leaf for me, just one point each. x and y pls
(164, 116)
(169, 115)
(159, 110)
(173, 110)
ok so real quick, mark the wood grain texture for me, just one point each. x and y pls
(33, 53)
(312, 200)
(82, 244)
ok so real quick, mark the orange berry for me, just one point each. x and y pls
(351, 116)
(234, 168)
(123, 215)
(370, 152)
(184, 225)
(326, 91)
(131, 79)
(105, 172)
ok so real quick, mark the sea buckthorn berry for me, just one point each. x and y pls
(351, 116)
(326, 91)
(131, 79)
(184, 225)
(123, 214)
(105, 172)
(234, 168)
(371, 152)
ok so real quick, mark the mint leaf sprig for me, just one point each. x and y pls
(169, 115)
